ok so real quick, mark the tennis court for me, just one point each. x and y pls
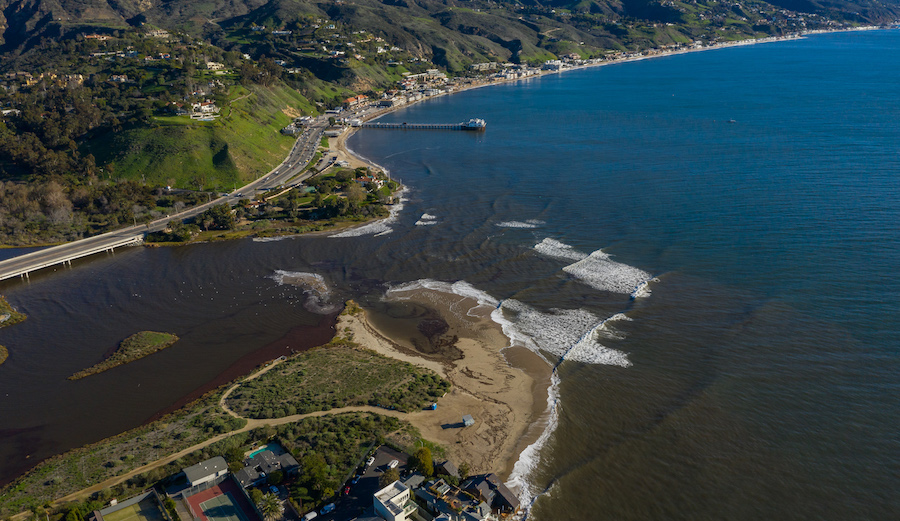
(146, 510)
(222, 508)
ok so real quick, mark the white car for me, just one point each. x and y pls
(393, 464)
(370, 461)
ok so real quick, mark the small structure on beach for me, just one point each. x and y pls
(468, 421)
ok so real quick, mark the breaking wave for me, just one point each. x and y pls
(598, 270)
(553, 248)
(529, 224)
(377, 228)
(426, 220)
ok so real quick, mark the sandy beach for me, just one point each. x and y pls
(505, 390)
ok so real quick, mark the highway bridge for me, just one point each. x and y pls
(301, 154)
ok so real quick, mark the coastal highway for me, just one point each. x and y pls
(301, 154)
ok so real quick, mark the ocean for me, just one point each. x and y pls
(705, 247)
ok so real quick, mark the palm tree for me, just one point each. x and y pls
(270, 507)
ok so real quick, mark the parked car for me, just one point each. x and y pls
(346, 489)
(370, 461)
(327, 509)
(310, 515)
(393, 464)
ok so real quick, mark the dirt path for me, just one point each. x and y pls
(251, 424)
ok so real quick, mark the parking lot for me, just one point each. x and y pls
(359, 499)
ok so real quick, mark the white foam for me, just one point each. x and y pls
(566, 334)
(530, 457)
(460, 287)
(426, 220)
(553, 248)
(313, 285)
(600, 272)
(377, 228)
(643, 289)
(529, 224)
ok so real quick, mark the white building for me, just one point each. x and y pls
(394, 503)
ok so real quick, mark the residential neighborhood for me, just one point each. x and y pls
(209, 491)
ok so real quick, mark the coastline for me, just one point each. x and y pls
(507, 454)
(348, 154)
(503, 388)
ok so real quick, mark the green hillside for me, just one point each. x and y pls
(242, 144)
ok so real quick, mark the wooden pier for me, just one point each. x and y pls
(472, 124)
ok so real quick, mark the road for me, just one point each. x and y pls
(300, 155)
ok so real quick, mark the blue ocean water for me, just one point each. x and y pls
(760, 186)
(710, 241)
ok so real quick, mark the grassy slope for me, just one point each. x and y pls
(335, 377)
(244, 143)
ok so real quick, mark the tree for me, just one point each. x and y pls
(314, 471)
(270, 507)
(389, 476)
(256, 495)
(423, 461)
(464, 470)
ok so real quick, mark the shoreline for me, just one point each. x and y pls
(340, 142)
(504, 388)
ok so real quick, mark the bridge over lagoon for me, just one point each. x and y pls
(22, 265)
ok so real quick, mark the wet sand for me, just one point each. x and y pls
(505, 390)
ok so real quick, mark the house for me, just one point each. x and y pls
(394, 502)
(446, 468)
(215, 66)
(492, 491)
(263, 464)
(206, 471)
(451, 504)
(356, 101)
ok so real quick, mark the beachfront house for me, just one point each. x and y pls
(492, 491)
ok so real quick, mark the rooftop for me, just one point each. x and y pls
(205, 468)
